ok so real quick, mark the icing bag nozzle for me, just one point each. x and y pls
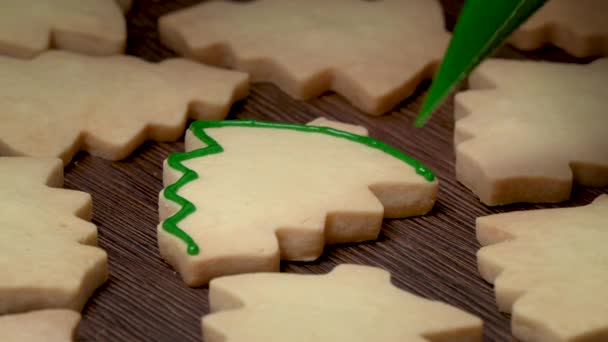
(482, 27)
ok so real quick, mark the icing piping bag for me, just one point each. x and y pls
(482, 27)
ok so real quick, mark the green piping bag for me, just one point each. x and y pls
(482, 27)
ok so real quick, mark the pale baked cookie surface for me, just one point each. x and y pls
(43, 325)
(577, 26)
(351, 303)
(308, 47)
(48, 253)
(246, 194)
(93, 27)
(60, 102)
(527, 130)
(550, 270)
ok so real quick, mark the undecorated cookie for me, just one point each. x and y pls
(93, 27)
(351, 303)
(527, 130)
(60, 102)
(577, 26)
(36, 326)
(550, 270)
(48, 253)
(246, 194)
(309, 47)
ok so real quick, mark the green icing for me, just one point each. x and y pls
(176, 160)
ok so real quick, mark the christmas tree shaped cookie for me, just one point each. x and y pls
(351, 303)
(48, 256)
(550, 270)
(528, 130)
(43, 325)
(579, 27)
(308, 47)
(93, 27)
(59, 102)
(247, 194)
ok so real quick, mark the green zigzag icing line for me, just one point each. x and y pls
(175, 160)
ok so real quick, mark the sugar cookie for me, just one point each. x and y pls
(308, 47)
(528, 130)
(60, 102)
(351, 303)
(43, 325)
(550, 269)
(579, 27)
(341, 126)
(248, 193)
(93, 27)
(48, 256)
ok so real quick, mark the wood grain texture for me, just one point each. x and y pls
(432, 256)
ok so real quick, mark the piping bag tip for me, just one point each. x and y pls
(482, 27)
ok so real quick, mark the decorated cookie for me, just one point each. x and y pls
(527, 130)
(313, 46)
(550, 270)
(246, 194)
(36, 326)
(48, 253)
(324, 122)
(351, 303)
(59, 102)
(93, 27)
(579, 27)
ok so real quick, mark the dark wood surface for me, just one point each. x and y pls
(432, 256)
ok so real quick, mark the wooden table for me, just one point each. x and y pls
(432, 256)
